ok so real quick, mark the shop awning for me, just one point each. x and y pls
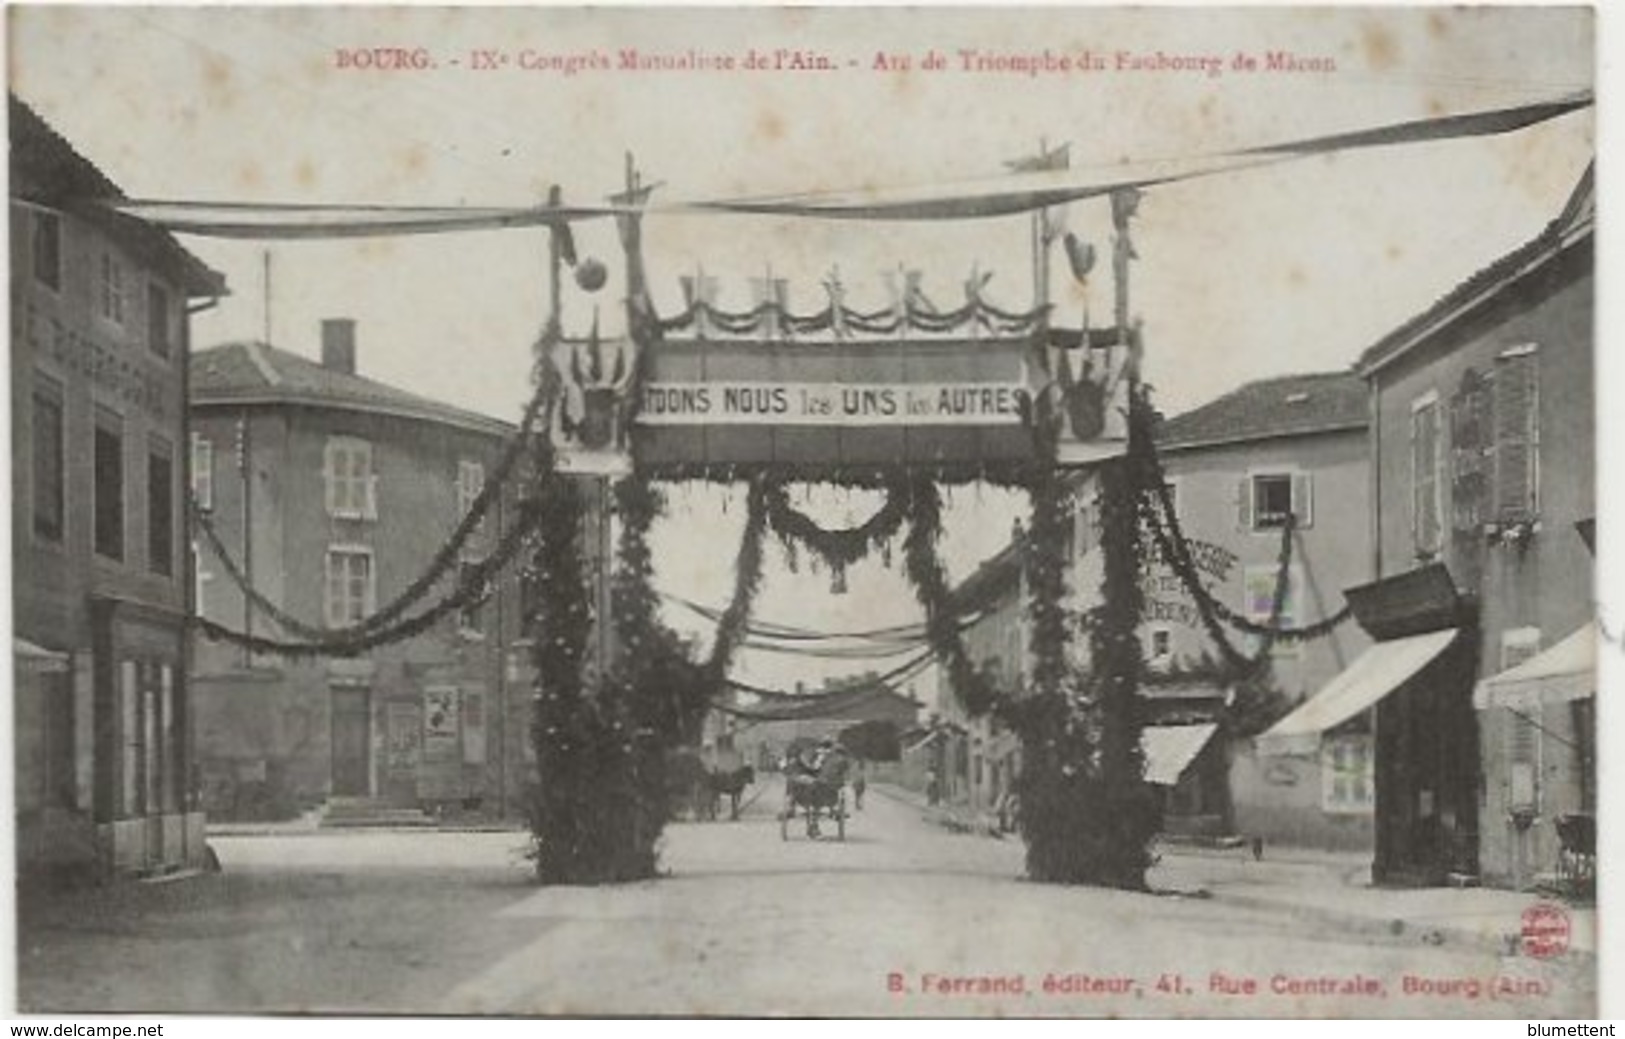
(1170, 749)
(37, 659)
(1379, 671)
(1566, 671)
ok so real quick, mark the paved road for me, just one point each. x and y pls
(903, 918)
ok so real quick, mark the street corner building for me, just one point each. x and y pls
(104, 759)
(1235, 470)
(319, 495)
(1479, 688)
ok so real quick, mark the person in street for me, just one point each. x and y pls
(859, 785)
(933, 788)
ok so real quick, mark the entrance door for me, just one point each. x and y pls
(352, 742)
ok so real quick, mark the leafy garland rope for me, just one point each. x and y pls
(747, 582)
(448, 556)
(1172, 545)
(472, 587)
(930, 579)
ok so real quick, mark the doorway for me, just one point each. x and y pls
(352, 742)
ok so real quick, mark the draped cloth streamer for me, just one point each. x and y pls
(1001, 196)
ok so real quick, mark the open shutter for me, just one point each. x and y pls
(329, 598)
(1244, 504)
(1515, 391)
(1303, 499)
(330, 476)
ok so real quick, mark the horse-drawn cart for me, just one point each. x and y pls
(818, 789)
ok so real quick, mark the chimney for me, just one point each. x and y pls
(338, 345)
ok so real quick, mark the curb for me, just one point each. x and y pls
(345, 831)
(1505, 944)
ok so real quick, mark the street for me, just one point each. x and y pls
(903, 918)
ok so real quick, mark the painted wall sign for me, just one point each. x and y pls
(832, 404)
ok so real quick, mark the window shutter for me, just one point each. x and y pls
(1515, 393)
(366, 481)
(329, 598)
(1244, 504)
(1303, 499)
(1416, 476)
(330, 476)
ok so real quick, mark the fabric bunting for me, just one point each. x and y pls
(999, 196)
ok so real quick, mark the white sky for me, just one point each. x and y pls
(1295, 267)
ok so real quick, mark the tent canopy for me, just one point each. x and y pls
(37, 659)
(1377, 672)
(1170, 749)
(1564, 672)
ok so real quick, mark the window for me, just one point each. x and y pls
(349, 596)
(1259, 601)
(1426, 487)
(1160, 653)
(470, 478)
(1347, 781)
(47, 250)
(1267, 499)
(1517, 435)
(468, 618)
(159, 320)
(160, 508)
(50, 486)
(351, 486)
(108, 466)
(1518, 645)
(1259, 598)
(202, 471)
(112, 294)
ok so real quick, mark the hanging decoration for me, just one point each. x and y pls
(473, 586)
(930, 579)
(747, 581)
(838, 549)
(448, 558)
(771, 320)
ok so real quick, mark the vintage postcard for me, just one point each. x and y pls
(863, 512)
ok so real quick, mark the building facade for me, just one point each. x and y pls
(330, 494)
(1237, 467)
(1483, 470)
(976, 759)
(100, 311)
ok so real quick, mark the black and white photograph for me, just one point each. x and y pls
(835, 512)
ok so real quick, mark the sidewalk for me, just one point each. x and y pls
(1330, 889)
(958, 818)
(1335, 890)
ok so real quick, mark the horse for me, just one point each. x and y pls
(730, 783)
(817, 789)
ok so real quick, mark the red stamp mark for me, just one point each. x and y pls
(1545, 930)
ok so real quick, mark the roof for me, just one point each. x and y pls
(48, 171)
(1573, 226)
(256, 373)
(1288, 405)
(997, 576)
